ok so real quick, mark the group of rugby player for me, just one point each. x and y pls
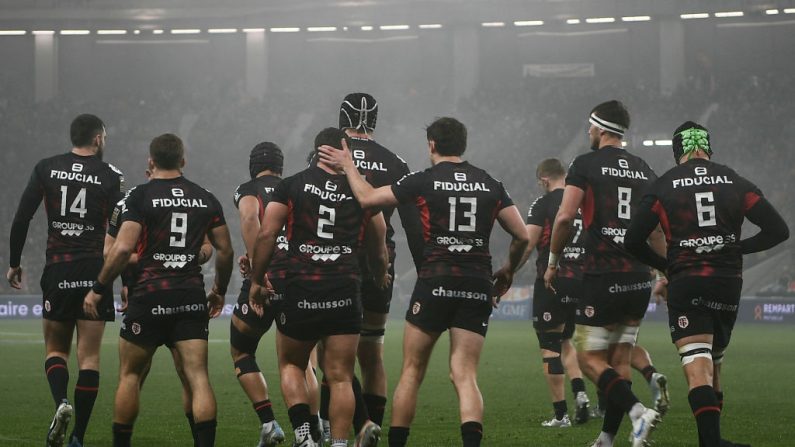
(319, 262)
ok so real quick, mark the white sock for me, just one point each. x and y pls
(339, 443)
(636, 411)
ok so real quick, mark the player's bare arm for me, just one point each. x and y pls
(115, 263)
(263, 250)
(224, 263)
(367, 196)
(534, 234)
(511, 221)
(248, 207)
(561, 229)
(377, 254)
(205, 252)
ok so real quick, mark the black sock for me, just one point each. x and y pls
(617, 390)
(325, 397)
(612, 419)
(299, 415)
(577, 385)
(122, 433)
(648, 371)
(360, 414)
(376, 405)
(58, 377)
(706, 410)
(192, 424)
(602, 400)
(719, 395)
(205, 433)
(317, 428)
(471, 433)
(86, 391)
(264, 410)
(560, 409)
(398, 436)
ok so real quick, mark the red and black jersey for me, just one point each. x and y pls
(382, 167)
(458, 204)
(175, 215)
(614, 182)
(79, 193)
(701, 206)
(262, 189)
(542, 213)
(325, 224)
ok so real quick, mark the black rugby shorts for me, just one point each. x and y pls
(64, 285)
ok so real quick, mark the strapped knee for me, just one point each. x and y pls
(242, 342)
(591, 338)
(373, 333)
(717, 356)
(246, 365)
(691, 351)
(627, 334)
(554, 365)
(551, 341)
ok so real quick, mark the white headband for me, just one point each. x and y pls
(607, 125)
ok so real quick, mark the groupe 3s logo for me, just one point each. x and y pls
(325, 253)
(282, 243)
(459, 244)
(71, 229)
(173, 260)
(708, 244)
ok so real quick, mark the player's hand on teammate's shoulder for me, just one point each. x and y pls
(549, 276)
(90, 304)
(215, 302)
(14, 277)
(336, 158)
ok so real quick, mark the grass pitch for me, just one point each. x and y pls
(757, 381)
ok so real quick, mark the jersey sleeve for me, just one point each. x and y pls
(577, 173)
(217, 219)
(751, 196)
(132, 207)
(28, 204)
(643, 222)
(281, 192)
(115, 221)
(535, 215)
(246, 189)
(408, 188)
(505, 199)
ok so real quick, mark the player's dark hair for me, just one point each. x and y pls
(167, 151)
(449, 134)
(552, 168)
(330, 136)
(690, 137)
(84, 128)
(265, 156)
(613, 111)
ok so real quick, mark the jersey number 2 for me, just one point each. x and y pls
(323, 222)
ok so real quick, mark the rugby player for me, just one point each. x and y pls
(79, 191)
(166, 221)
(606, 184)
(380, 166)
(553, 313)
(266, 163)
(458, 204)
(128, 278)
(701, 206)
(326, 229)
